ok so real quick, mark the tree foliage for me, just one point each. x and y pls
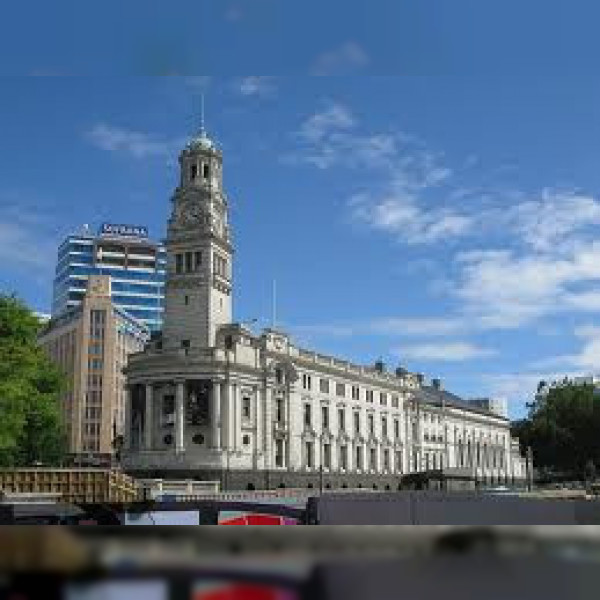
(30, 388)
(563, 429)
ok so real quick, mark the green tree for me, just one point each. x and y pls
(30, 388)
(563, 429)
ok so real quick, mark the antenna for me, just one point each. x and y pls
(274, 305)
(202, 130)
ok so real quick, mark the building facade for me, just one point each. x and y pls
(91, 342)
(211, 400)
(135, 263)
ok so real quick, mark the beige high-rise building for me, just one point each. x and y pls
(91, 343)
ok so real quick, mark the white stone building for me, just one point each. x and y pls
(211, 400)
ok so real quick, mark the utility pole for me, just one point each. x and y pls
(529, 468)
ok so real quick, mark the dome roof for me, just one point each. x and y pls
(202, 142)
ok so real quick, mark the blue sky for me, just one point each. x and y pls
(444, 216)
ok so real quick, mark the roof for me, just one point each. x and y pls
(434, 397)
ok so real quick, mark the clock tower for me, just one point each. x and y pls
(199, 250)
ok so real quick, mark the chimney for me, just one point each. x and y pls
(380, 366)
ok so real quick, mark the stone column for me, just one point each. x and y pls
(148, 421)
(215, 415)
(258, 416)
(349, 456)
(237, 417)
(127, 418)
(179, 416)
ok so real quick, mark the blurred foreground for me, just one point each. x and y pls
(275, 563)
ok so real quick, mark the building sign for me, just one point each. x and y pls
(138, 231)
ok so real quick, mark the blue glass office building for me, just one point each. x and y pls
(135, 263)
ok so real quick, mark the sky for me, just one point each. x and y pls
(420, 179)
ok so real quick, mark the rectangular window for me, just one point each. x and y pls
(342, 419)
(397, 429)
(395, 403)
(386, 460)
(280, 411)
(306, 381)
(384, 431)
(220, 266)
(279, 376)
(344, 457)
(246, 409)
(383, 399)
(205, 171)
(355, 392)
(340, 390)
(309, 455)
(307, 415)
(198, 260)
(370, 396)
(324, 417)
(373, 461)
(179, 263)
(194, 172)
(371, 425)
(185, 344)
(327, 456)
(188, 262)
(356, 423)
(324, 386)
(359, 458)
(279, 453)
(168, 406)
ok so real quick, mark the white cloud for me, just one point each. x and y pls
(537, 255)
(547, 221)
(257, 85)
(444, 352)
(330, 120)
(408, 171)
(401, 215)
(586, 361)
(133, 143)
(347, 58)
(505, 289)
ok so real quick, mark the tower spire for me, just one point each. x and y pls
(202, 129)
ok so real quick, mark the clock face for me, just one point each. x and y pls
(191, 213)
